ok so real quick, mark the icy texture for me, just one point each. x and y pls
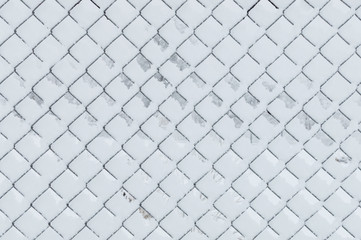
(180, 119)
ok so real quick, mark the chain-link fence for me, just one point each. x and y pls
(180, 119)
